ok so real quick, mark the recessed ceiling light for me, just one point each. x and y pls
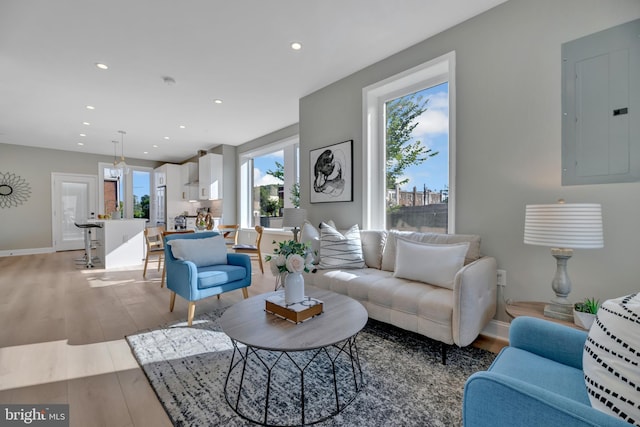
(81, 143)
(154, 146)
(83, 134)
(166, 137)
(102, 66)
(145, 152)
(296, 46)
(90, 107)
(182, 126)
(218, 101)
(86, 123)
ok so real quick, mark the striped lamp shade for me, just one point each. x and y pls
(564, 225)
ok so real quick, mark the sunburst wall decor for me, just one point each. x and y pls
(14, 190)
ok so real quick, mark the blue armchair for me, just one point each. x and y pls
(536, 381)
(194, 283)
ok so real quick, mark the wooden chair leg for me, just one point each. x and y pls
(245, 293)
(260, 261)
(160, 259)
(164, 273)
(146, 261)
(191, 313)
(172, 301)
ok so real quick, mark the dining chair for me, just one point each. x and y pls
(165, 234)
(230, 233)
(155, 247)
(252, 250)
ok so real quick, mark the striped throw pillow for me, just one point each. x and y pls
(339, 250)
(611, 357)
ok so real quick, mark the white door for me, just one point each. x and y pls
(73, 199)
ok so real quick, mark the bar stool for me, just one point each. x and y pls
(87, 241)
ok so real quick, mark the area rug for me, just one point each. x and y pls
(404, 382)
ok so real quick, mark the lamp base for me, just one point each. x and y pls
(559, 311)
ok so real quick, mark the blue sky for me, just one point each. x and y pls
(140, 184)
(432, 131)
(262, 164)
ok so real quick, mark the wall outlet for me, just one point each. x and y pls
(502, 278)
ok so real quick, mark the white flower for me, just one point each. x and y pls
(295, 263)
(274, 267)
(281, 260)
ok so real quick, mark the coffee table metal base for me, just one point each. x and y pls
(338, 356)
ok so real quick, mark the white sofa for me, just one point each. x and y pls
(451, 316)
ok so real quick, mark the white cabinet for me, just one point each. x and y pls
(121, 242)
(189, 172)
(210, 173)
(169, 176)
(189, 177)
(160, 176)
(190, 192)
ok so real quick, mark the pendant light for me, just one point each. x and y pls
(122, 165)
(114, 172)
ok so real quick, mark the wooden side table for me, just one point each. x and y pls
(534, 309)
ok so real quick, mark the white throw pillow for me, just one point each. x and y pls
(339, 250)
(389, 252)
(611, 361)
(311, 234)
(432, 264)
(202, 252)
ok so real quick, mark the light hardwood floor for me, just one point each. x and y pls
(62, 336)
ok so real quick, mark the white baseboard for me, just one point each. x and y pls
(497, 329)
(30, 251)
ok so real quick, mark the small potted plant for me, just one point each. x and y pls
(584, 313)
(290, 259)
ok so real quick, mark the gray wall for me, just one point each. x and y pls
(508, 141)
(29, 225)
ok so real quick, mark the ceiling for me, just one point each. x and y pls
(235, 51)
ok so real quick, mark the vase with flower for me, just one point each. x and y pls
(291, 259)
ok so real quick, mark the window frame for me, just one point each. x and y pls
(127, 188)
(291, 148)
(374, 98)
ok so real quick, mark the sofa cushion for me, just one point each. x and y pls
(339, 250)
(202, 252)
(221, 274)
(611, 359)
(372, 246)
(389, 252)
(433, 264)
(310, 234)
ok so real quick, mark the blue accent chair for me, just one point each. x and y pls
(536, 381)
(195, 283)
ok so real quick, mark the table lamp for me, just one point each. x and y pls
(294, 217)
(563, 227)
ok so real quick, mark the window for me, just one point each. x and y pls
(417, 160)
(268, 189)
(133, 189)
(391, 206)
(141, 193)
(269, 180)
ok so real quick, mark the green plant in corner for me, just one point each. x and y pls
(589, 305)
(295, 195)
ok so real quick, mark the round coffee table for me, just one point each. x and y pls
(288, 367)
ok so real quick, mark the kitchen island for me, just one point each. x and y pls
(120, 242)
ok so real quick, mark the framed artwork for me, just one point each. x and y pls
(14, 190)
(332, 173)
